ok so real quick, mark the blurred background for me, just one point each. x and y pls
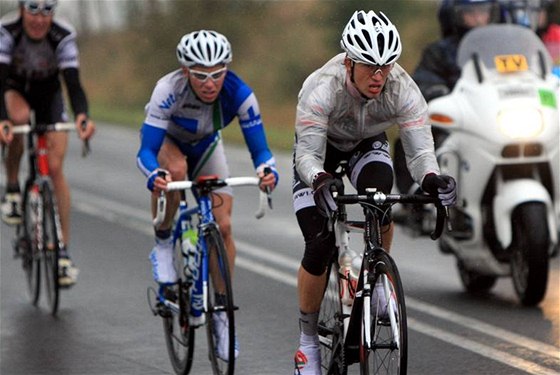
(127, 45)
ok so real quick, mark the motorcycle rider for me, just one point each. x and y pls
(437, 72)
(537, 15)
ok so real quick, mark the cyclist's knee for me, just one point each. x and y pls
(225, 226)
(318, 253)
(177, 170)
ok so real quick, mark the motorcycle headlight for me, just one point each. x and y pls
(520, 123)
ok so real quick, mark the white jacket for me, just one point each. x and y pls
(330, 109)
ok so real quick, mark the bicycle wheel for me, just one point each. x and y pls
(386, 352)
(51, 246)
(179, 334)
(220, 320)
(30, 242)
(331, 326)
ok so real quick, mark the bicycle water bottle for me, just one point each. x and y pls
(189, 247)
(189, 239)
(348, 275)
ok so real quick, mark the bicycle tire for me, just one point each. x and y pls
(220, 302)
(50, 247)
(385, 356)
(330, 324)
(29, 241)
(179, 334)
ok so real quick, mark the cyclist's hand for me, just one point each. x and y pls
(6, 134)
(324, 185)
(442, 187)
(84, 126)
(158, 179)
(269, 177)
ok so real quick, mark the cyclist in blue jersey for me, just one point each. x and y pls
(181, 138)
(35, 50)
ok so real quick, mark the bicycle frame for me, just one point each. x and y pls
(376, 264)
(206, 220)
(40, 195)
(204, 289)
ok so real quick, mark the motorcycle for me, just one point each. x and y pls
(502, 146)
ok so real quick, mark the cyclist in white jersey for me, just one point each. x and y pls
(181, 138)
(343, 111)
(35, 50)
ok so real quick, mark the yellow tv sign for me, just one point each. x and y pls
(510, 63)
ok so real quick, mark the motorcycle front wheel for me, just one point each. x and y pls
(530, 257)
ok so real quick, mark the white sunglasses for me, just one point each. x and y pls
(203, 76)
(36, 8)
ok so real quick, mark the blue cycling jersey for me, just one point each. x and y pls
(175, 110)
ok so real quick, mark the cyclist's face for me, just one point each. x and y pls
(36, 24)
(206, 82)
(368, 79)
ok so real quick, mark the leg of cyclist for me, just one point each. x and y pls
(58, 144)
(311, 276)
(51, 110)
(371, 166)
(18, 111)
(172, 159)
(213, 162)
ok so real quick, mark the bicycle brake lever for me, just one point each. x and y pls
(447, 221)
(85, 145)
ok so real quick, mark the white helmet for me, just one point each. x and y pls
(204, 47)
(371, 39)
(51, 3)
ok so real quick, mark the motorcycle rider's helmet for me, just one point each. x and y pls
(468, 14)
(528, 13)
(204, 47)
(371, 38)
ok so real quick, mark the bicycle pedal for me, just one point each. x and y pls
(163, 311)
(218, 308)
(169, 294)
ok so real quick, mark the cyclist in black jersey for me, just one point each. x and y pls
(34, 50)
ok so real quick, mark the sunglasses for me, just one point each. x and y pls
(376, 69)
(203, 76)
(36, 8)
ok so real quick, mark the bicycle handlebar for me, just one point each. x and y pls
(378, 198)
(56, 127)
(210, 183)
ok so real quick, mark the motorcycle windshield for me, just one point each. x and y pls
(505, 48)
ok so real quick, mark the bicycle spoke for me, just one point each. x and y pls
(220, 318)
(30, 240)
(50, 247)
(387, 351)
(179, 334)
(330, 325)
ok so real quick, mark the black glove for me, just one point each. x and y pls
(323, 186)
(441, 187)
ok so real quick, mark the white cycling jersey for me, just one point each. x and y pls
(331, 109)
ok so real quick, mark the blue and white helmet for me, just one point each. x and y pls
(205, 47)
(371, 39)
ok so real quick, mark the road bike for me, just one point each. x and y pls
(203, 293)
(370, 327)
(39, 240)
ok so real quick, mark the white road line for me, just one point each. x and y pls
(487, 329)
(248, 256)
(480, 349)
(429, 330)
